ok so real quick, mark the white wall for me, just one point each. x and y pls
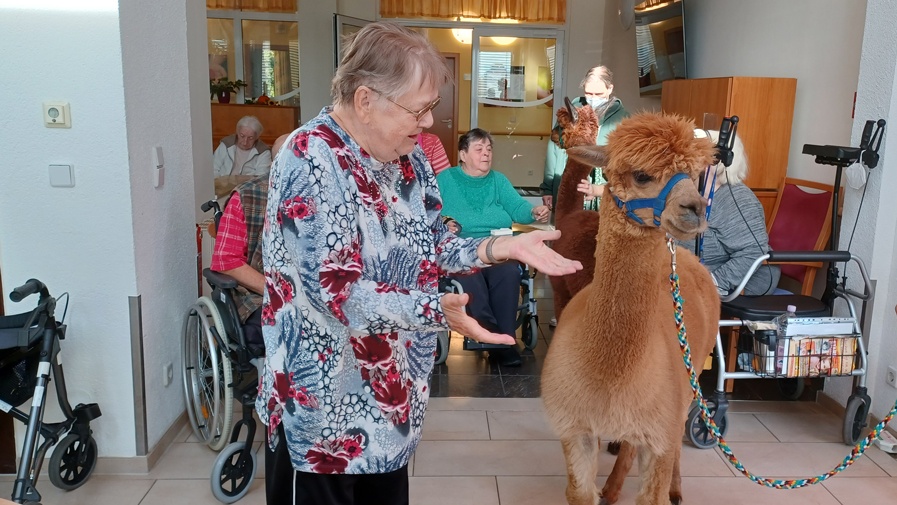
(619, 56)
(816, 41)
(158, 55)
(315, 55)
(875, 234)
(76, 239)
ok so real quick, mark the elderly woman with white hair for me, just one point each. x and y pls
(243, 153)
(736, 231)
(353, 248)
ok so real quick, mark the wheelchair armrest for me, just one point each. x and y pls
(808, 256)
(219, 280)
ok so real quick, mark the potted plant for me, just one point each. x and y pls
(222, 88)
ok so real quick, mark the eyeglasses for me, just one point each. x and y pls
(417, 114)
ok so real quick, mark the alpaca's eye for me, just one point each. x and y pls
(642, 177)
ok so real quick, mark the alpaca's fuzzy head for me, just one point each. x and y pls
(642, 154)
(581, 132)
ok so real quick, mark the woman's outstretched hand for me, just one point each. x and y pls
(530, 248)
(458, 320)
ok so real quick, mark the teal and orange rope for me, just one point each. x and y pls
(708, 420)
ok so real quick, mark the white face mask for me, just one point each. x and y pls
(856, 176)
(595, 102)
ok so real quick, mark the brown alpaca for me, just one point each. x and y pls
(578, 226)
(614, 369)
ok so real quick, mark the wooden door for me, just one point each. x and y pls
(710, 96)
(765, 109)
(676, 97)
(445, 116)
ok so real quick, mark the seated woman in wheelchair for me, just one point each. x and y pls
(736, 231)
(482, 200)
(238, 250)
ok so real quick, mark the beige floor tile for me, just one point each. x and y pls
(696, 462)
(489, 457)
(197, 492)
(492, 404)
(749, 406)
(509, 425)
(455, 425)
(185, 433)
(868, 491)
(741, 491)
(186, 461)
(452, 491)
(803, 427)
(98, 490)
(887, 462)
(747, 428)
(532, 490)
(800, 460)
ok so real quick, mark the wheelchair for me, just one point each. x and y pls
(527, 317)
(218, 365)
(29, 350)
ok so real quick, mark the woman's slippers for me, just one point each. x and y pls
(505, 357)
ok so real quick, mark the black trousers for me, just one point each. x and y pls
(285, 486)
(495, 293)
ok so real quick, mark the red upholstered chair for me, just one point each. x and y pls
(801, 221)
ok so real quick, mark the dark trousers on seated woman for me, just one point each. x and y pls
(495, 294)
(285, 486)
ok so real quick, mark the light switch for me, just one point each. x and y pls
(57, 115)
(467, 77)
(61, 176)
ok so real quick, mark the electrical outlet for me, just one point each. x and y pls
(891, 376)
(167, 374)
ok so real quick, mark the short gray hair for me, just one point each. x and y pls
(601, 73)
(390, 59)
(250, 122)
(737, 172)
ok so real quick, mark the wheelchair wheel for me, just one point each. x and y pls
(530, 332)
(791, 389)
(854, 420)
(443, 342)
(72, 462)
(207, 376)
(231, 480)
(698, 433)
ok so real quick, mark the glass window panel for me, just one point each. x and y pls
(221, 49)
(287, 6)
(271, 59)
(516, 70)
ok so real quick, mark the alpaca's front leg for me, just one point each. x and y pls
(581, 453)
(657, 473)
(611, 491)
(676, 480)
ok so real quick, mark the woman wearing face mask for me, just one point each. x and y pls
(599, 89)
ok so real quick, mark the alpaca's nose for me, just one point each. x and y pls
(691, 208)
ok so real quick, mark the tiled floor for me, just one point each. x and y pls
(500, 451)
(486, 442)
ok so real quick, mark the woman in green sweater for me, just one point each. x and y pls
(481, 200)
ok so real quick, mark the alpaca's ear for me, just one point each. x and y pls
(595, 156)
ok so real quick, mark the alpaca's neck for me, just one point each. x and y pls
(569, 199)
(629, 263)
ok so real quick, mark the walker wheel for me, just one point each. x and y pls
(443, 342)
(530, 333)
(791, 389)
(72, 462)
(698, 433)
(854, 420)
(231, 480)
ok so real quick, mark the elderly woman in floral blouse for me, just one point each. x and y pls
(354, 245)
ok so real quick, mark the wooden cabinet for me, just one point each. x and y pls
(765, 110)
(275, 119)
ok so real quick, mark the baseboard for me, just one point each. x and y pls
(142, 464)
(836, 408)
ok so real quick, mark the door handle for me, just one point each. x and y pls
(449, 121)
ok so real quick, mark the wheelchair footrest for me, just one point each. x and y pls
(473, 345)
(86, 412)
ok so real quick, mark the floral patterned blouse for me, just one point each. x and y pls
(353, 250)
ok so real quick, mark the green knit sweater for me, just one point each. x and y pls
(481, 204)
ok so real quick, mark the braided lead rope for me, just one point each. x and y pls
(708, 419)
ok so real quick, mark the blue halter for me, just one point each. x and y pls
(659, 202)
